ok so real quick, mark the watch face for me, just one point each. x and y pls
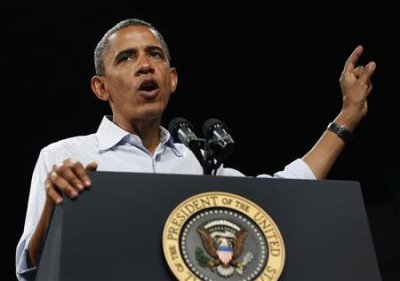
(344, 133)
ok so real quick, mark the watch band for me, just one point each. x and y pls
(345, 134)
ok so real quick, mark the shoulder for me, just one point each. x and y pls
(72, 141)
(72, 145)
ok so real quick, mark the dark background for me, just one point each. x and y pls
(269, 71)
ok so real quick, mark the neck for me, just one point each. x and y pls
(148, 131)
(151, 141)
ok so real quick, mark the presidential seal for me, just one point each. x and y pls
(217, 236)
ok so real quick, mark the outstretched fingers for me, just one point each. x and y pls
(353, 59)
(360, 75)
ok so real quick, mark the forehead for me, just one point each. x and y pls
(133, 37)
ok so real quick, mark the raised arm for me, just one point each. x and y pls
(355, 83)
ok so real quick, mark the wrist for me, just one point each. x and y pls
(349, 119)
(341, 131)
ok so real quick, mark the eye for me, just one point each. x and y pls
(156, 54)
(125, 57)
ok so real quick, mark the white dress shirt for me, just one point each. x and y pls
(115, 149)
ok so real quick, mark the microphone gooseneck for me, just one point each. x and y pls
(182, 131)
(222, 143)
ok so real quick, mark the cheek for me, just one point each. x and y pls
(117, 88)
(119, 78)
(119, 83)
(166, 100)
(118, 93)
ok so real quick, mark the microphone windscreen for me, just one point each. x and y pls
(210, 125)
(175, 124)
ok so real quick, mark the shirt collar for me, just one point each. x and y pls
(110, 135)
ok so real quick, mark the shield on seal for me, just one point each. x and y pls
(225, 254)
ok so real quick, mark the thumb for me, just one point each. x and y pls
(92, 166)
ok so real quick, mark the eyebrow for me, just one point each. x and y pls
(125, 52)
(131, 51)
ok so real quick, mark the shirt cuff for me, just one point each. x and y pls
(23, 271)
(298, 169)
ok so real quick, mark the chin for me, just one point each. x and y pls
(152, 114)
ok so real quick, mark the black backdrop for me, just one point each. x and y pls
(269, 71)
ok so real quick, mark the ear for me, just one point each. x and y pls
(98, 88)
(174, 79)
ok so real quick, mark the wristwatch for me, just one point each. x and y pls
(345, 134)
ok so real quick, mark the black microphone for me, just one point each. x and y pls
(181, 130)
(218, 134)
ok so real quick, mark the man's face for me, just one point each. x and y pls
(138, 78)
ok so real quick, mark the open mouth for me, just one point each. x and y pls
(148, 85)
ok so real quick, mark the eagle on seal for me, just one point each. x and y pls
(224, 247)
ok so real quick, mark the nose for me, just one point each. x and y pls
(144, 65)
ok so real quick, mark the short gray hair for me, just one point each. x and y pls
(102, 47)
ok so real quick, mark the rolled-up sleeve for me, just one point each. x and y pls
(36, 201)
(298, 169)
(23, 271)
